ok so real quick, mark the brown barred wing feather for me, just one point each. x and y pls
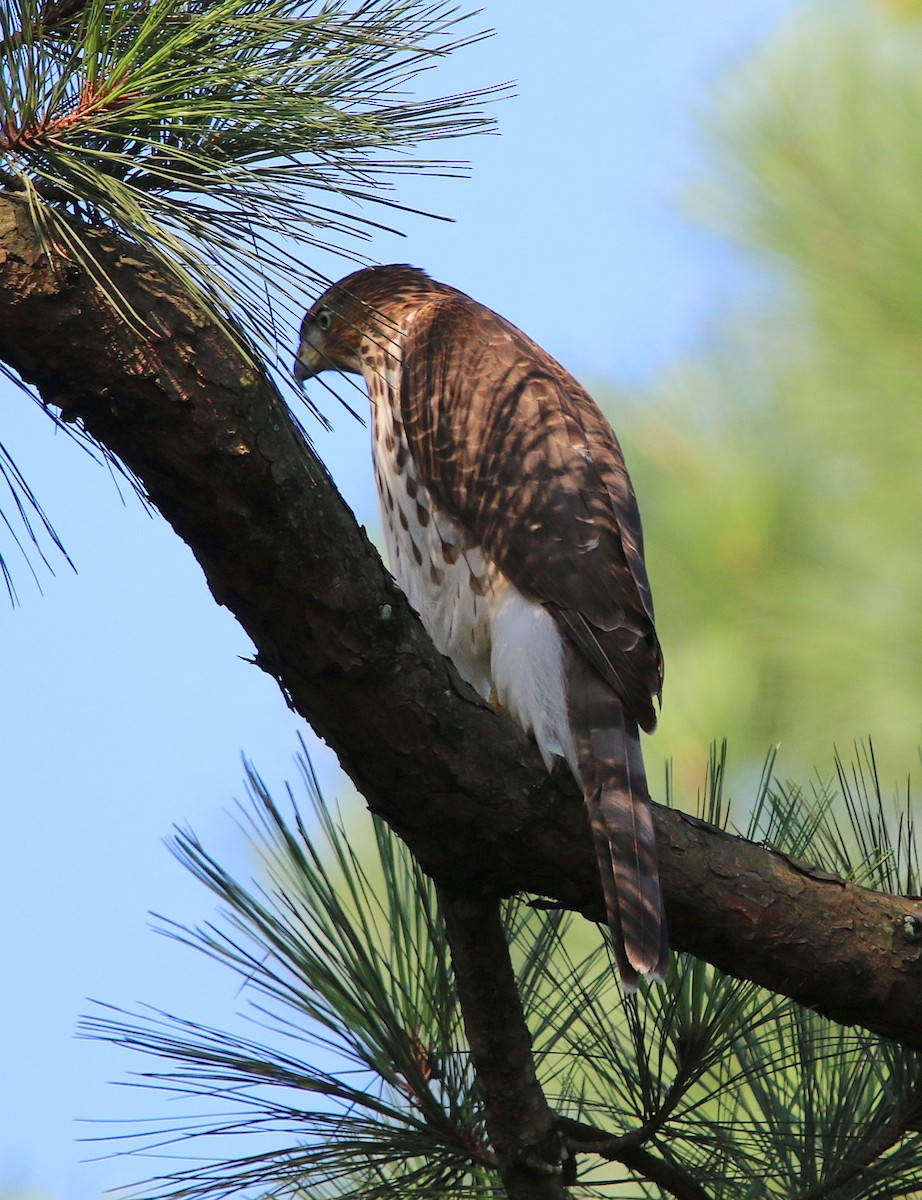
(520, 453)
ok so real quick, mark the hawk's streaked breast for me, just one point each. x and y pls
(472, 612)
(448, 580)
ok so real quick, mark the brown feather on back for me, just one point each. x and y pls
(522, 455)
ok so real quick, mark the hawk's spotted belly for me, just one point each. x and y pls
(497, 639)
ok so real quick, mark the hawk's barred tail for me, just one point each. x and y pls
(621, 816)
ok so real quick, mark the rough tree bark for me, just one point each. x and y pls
(218, 454)
(522, 1126)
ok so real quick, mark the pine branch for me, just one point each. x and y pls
(227, 466)
(614, 1146)
(628, 1150)
(348, 951)
(522, 1127)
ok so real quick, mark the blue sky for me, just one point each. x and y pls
(126, 699)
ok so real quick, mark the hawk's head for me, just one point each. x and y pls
(362, 311)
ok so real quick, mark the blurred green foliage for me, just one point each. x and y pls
(779, 472)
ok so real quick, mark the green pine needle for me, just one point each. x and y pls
(229, 140)
(344, 957)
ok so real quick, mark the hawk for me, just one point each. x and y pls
(512, 527)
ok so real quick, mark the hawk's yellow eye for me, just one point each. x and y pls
(324, 319)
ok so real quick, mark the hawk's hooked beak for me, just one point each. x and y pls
(308, 363)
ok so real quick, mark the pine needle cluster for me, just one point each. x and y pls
(229, 141)
(741, 1092)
